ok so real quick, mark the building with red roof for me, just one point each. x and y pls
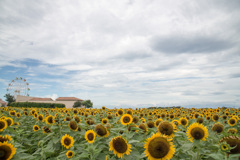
(68, 101)
(3, 103)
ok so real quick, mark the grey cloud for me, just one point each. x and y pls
(236, 75)
(166, 66)
(186, 44)
(130, 56)
(218, 93)
(190, 93)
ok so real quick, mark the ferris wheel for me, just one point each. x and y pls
(18, 86)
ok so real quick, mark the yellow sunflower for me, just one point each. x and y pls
(183, 121)
(150, 124)
(25, 113)
(197, 131)
(176, 122)
(3, 125)
(9, 121)
(126, 119)
(50, 119)
(77, 119)
(143, 127)
(12, 113)
(104, 121)
(67, 141)
(159, 147)
(167, 128)
(46, 129)
(218, 127)
(90, 136)
(69, 154)
(40, 117)
(130, 128)
(73, 125)
(19, 115)
(6, 151)
(200, 120)
(101, 130)
(120, 111)
(232, 121)
(36, 128)
(215, 117)
(5, 138)
(232, 131)
(135, 119)
(119, 146)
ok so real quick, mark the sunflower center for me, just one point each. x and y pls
(158, 147)
(126, 119)
(120, 112)
(183, 122)
(200, 120)
(150, 124)
(215, 117)
(5, 152)
(90, 136)
(218, 128)
(2, 153)
(77, 119)
(67, 141)
(73, 125)
(101, 131)
(70, 154)
(9, 122)
(197, 133)
(50, 120)
(143, 127)
(232, 121)
(36, 128)
(166, 128)
(120, 145)
(2, 125)
(104, 121)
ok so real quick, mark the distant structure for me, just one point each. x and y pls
(68, 101)
(18, 86)
(2, 103)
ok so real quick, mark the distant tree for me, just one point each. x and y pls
(77, 104)
(87, 103)
(9, 98)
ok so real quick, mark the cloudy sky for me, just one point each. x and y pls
(124, 53)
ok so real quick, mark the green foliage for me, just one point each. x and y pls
(37, 105)
(37, 145)
(9, 98)
(87, 103)
(77, 104)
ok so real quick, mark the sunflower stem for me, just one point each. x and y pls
(226, 157)
(198, 154)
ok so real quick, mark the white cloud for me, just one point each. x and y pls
(126, 52)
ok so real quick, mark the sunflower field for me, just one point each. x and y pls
(111, 134)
